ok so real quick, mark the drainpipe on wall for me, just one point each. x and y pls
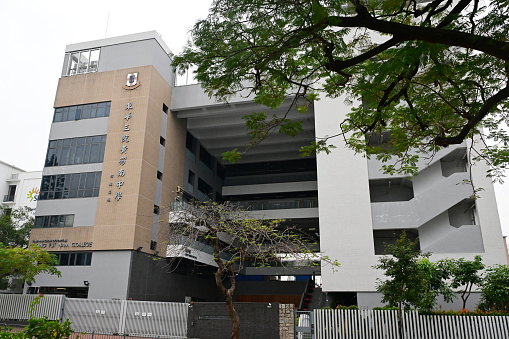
(506, 252)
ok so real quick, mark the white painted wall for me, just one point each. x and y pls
(27, 186)
(346, 232)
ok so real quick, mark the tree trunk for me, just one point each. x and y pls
(234, 318)
(228, 293)
(463, 297)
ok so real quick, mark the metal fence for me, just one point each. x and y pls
(364, 324)
(133, 318)
(17, 306)
(112, 317)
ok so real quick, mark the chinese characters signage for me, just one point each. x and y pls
(118, 181)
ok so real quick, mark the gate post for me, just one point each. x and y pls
(304, 325)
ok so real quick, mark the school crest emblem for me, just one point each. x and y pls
(132, 81)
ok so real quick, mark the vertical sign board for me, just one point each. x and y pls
(119, 180)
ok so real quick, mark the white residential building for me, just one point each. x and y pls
(19, 188)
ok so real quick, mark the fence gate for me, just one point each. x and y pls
(304, 325)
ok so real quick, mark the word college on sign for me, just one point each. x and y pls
(52, 243)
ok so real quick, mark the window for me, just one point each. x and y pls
(191, 143)
(159, 175)
(156, 209)
(81, 62)
(80, 112)
(153, 245)
(162, 141)
(205, 192)
(190, 182)
(165, 109)
(382, 238)
(206, 158)
(389, 190)
(44, 221)
(220, 171)
(84, 150)
(67, 186)
(10, 194)
(74, 258)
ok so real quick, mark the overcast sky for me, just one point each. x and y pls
(34, 35)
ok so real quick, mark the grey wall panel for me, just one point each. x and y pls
(80, 128)
(155, 227)
(159, 188)
(192, 96)
(375, 167)
(84, 209)
(97, 167)
(157, 280)
(211, 320)
(270, 287)
(160, 162)
(297, 213)
(465, 239)
(108, 275)
(424, 207)
(135, 54)
(164, 122)
(118, 40)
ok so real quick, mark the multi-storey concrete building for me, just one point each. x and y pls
(125, 139)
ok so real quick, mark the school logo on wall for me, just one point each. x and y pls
(33, 194)
(132, 81)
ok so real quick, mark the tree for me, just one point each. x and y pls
(466, 273)
(418, 69)
(495, 289)
(434, 283)
(15, 226)
(26, 263)
(237, 239)
(403, 286)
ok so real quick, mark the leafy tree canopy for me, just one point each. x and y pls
(15, 226)
(495, 289)
(407, 271)
(466, 274)
(26, 263)
(434, 283)
(432, 73)
(406, 280)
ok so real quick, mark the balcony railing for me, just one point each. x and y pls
(8, 198)
(14, 176)
(260, 205)
(270, 178)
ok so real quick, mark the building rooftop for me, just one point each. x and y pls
(119, 40)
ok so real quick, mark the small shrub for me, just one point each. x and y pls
(351, 307)
(385, 308)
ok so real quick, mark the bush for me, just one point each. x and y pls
(465, 312)
(494, 289)
(385, 308)
(351, 307)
